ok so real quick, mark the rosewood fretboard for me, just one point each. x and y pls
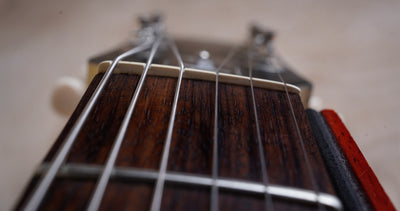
(191, 147)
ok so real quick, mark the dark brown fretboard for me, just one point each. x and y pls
(189, 169)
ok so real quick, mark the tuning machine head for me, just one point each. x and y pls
(151, 26)
(150, 20)
(261, 40)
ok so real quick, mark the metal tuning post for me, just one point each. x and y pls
(262, 50)
(150, 28)
(269, 65)
(261, 40)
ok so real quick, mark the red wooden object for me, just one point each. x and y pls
(373, 189)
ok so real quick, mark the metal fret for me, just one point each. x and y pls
(102, 183)
(134, 174)
(48, 178)
(156, 202)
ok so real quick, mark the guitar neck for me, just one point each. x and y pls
(178, 129)
(191, 150)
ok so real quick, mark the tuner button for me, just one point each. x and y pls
(261, 36)
(315, 103)
(66, 94)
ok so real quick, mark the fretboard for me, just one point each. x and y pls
(189, 176)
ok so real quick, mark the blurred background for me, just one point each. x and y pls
(348, 49)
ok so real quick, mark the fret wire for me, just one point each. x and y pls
(135, 174)
(268, 199)
(157, 196)
(50, 174)
(105, 176)
(306, 158)
(214, 188)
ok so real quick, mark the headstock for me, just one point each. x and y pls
(208, 55)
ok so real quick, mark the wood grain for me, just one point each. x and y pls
(237, 137)
(282, 144)
(191, 147)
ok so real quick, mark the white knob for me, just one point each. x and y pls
(66, 94)
(316, 103)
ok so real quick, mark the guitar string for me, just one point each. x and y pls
(306, 158)
(214, 189)
(268, 198)
(105, 176)
(36, 197)
(157, 196)
(50, 174)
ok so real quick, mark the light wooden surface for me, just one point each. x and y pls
(349, 49)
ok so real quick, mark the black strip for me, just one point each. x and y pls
(343, 179)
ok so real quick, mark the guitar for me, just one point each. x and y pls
(189, 125)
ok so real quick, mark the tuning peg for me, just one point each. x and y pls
(316, 103)
(261, 36)
(66, 94)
